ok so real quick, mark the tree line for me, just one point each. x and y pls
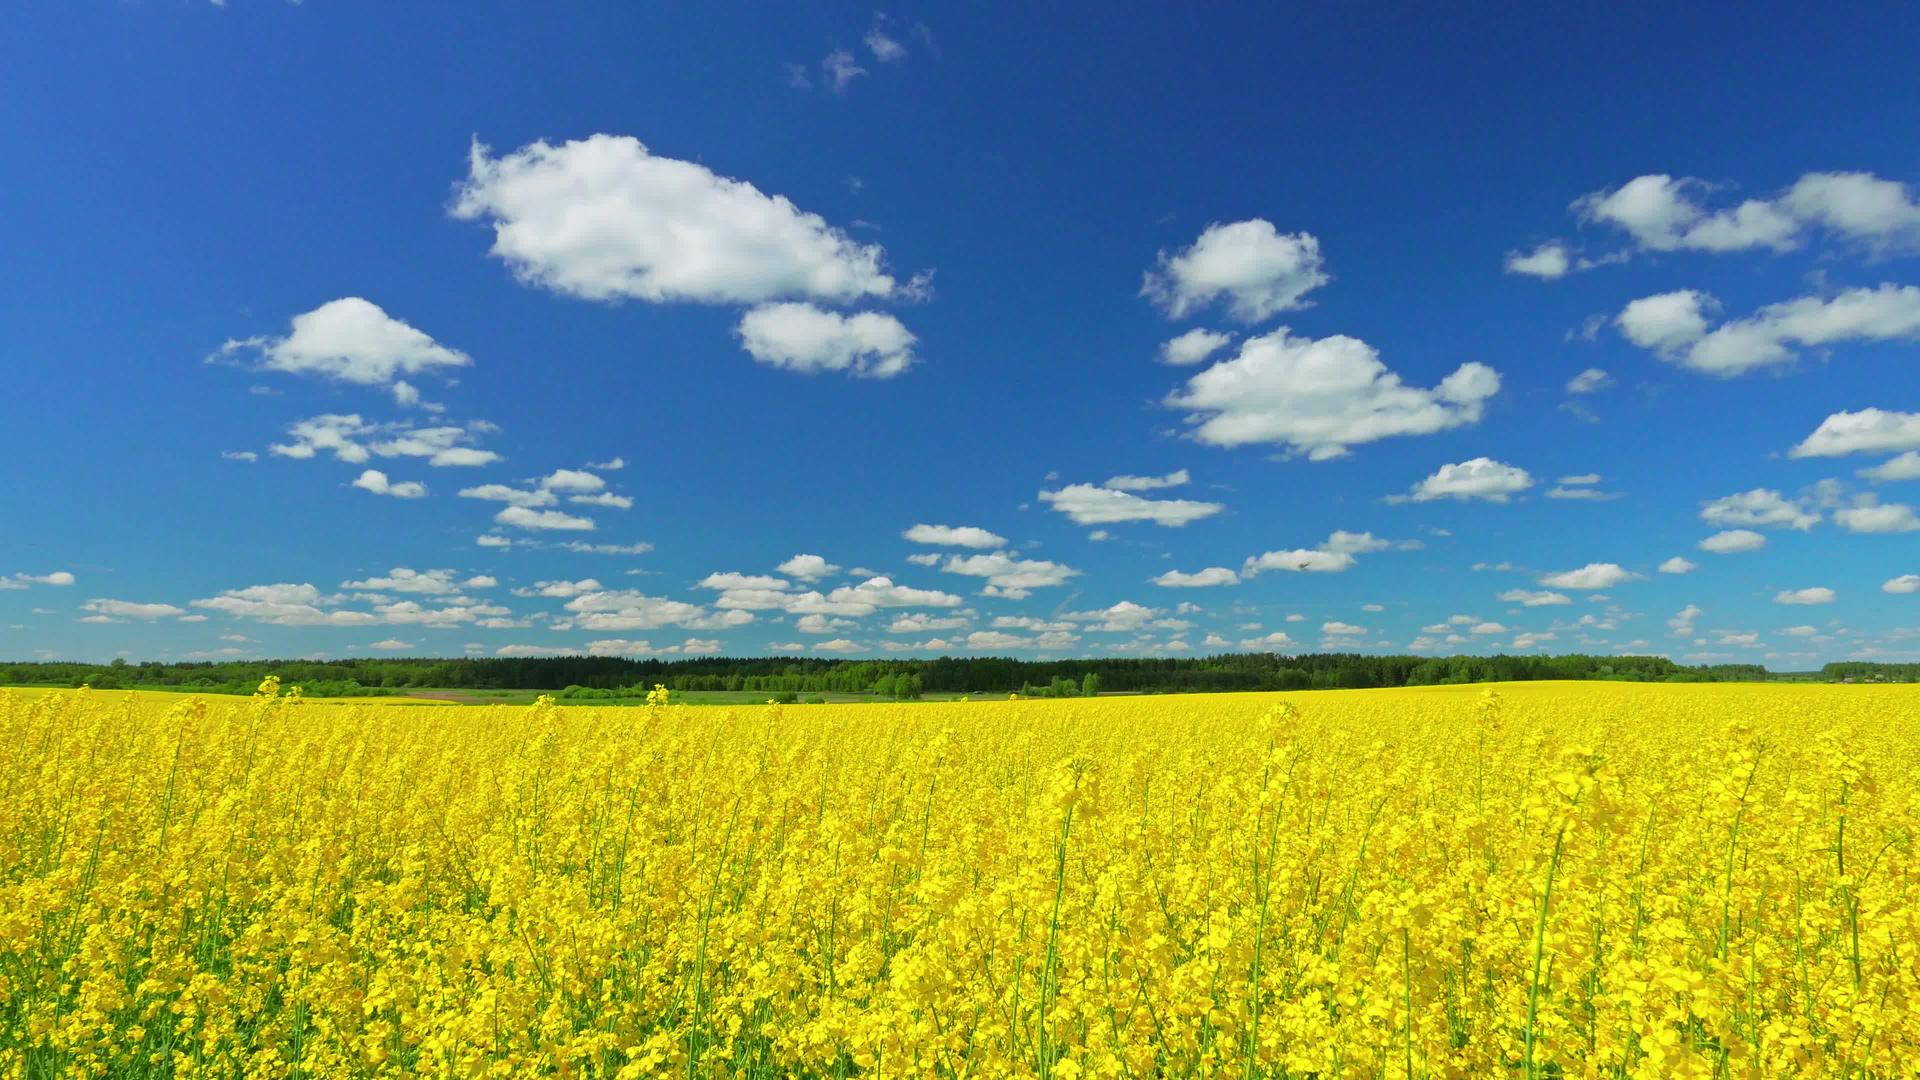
(947, 674)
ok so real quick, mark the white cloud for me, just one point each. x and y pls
(919, 622)
(1732, 541)
(604, 219)
(1258, 270)
(544, 520)
(607, 549)
(1805, 596)
(392, 645)
(345, 437)
(626, 609)
(884, 47)
(1177, 478)
(1865, 432)
(801, 337)
(1086, 504)
(351, 340)
(840, 70)
(732, 581)
(807, 567)
(1479, 478)
(839, 645)
(127, 609)
(1677, 565)
(965, 536)
(1275, 640)
(1124, 617)
(1905, 583)
(376, 481)
(404, 580)
(1548, 261)
(1340, 629)
(1487, 628)
(1321, 396)
(1674, 326)
(571, 480)
(247, 456)
(1799, 631)
(881, 592)
(1761, 507)
(1589, 381)
(562, 589)
(1533, 598)
(1010, 576)
(1903, 467)
(1193, 347)
(1878, 518)
(511, 495)
(1302, 560)
(1682, 622)
(605, 498)
(489, 540)
(1660, 212)
(1200, 579)
(1528, 641)
(821, 624)
(1590, 576)
(22, 581)
(1581, 493)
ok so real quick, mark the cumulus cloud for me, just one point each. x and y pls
(1010, 576)
(543, 520)
(1193, 347)
(807, 567)
(376, 481)
(351, 439)
(1677, 565)
(1549, 261)
(1876, 517)
(1478, 478)
(1086, 504)
(571, 480)
(966, 536)
(626, 609)
(1590, 576)
(919, 622)
(1200, 579)
(127, 609)
(1675, 326)
(512, 495)
(1662, 213)
(1177, 478)
(351, 340)
(1298, 560)
(1818, 595)
(603, 218)
(23, 581)
(1732, 541)
(1865, 432)
(1762, 508)
(1256, 269)
(1321, 396)
(800, 337)
(425, 582)
(1903, 467)
(1534, 598)
(1905, 583)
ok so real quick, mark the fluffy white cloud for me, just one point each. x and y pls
(1010, 576)
(1124, 617)
(604, 498)
(807, 567)
(571, 480)
(1479, 478)
(730, 581)
(1193, 347)
(602, 218)
(1731, 541)
(543, 520)
(1761, 507)
(919, 622)
(1090, 505)
(1674, 326)
(351, 340)
(1677, 565)
(512, 495)
(1903, 467)
(1905, 583)
(1590, 576)
(1589, 381)
(1661, 214)
(1299, 560)
(1682, 622)
(1486, 629)
(1805, 596)
(376, 481)
(1276, 640)
(1340, 629)
(1549, 261)
(1200, 579)
(247, 456)
(1177, 478)
(1878, 518)
(404, 580)
(821, 624)
(965, 536)
(1258, 270)
(127, 609)
(1534, 598)
(350, 439)
(562, 589)
(627, 609)
(1865, 432)
(881, 592)
(22, 581)
(801, 337)
(1321, 396)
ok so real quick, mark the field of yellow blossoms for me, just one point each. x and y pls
(1538, 880)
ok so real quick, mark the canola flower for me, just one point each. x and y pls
(1592, 880)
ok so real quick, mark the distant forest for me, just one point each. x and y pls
(995, 675)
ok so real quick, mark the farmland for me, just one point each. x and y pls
(1542, 879)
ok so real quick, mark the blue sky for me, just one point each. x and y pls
(957, 330)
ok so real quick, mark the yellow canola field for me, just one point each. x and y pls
(1541, 880)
